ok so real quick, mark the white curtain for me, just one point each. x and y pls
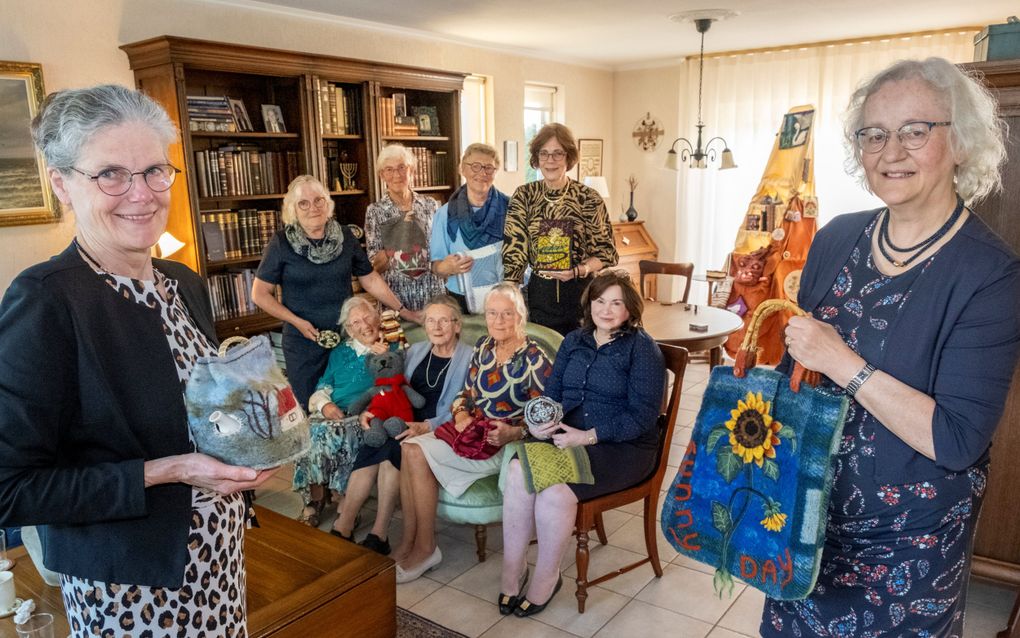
(745, 97)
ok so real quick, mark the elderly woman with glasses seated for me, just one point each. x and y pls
(397, 231)
(560, 229)
(467, 234)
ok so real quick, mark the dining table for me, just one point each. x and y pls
(692, 326)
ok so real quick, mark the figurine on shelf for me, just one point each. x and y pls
(631, 212)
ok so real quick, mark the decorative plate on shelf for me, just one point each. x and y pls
(647, 132)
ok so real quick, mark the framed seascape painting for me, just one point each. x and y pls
(25, 194)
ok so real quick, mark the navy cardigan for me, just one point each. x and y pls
(956, 340)
(88, 393)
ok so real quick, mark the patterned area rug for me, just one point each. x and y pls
(414, 626)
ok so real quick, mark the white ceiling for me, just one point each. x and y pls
(616, 33)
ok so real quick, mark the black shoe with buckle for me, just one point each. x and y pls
(507, 604)
(528, 608)
(376, 544)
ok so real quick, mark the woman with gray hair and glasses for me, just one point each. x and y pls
(913, 314)
(96, 348)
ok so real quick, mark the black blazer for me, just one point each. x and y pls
(88, 393)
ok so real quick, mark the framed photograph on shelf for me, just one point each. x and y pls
(428, 120)
(510, 156)
(272, 117)
(589, 158)
(400, 104)
(240, 116)
(25, 193)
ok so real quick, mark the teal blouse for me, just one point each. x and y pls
(346, 377)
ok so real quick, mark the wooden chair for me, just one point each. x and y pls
(647, 267)
(589, 513)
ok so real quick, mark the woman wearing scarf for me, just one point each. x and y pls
(313, 259)
(467, 231)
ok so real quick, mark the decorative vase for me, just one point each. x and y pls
(631, 213)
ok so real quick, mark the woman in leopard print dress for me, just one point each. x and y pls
(96, 346)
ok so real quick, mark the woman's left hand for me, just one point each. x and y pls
(569, 437)
(817, 346)
(414, 428)
(417, 316)
(365, 420)
(502, 433)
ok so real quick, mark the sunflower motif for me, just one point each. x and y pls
(774, 520)
(753, 431)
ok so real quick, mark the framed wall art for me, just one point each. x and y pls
(25, 193)
(589, 158)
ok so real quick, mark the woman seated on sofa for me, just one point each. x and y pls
(609, 376)
(434, 368)
(507, 369)
(335, 435)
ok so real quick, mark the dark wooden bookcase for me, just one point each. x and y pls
(170, 69)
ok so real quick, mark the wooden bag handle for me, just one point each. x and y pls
(230, 342)
(747, 355)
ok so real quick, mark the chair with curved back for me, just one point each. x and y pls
(648, 267)
(589, 512)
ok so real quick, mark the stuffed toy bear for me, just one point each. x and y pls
(390, 400)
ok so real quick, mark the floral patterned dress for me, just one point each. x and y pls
(409, 274)
(896, 558)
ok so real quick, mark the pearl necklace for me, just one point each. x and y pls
(428, 371)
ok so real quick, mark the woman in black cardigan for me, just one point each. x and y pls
(96, 346)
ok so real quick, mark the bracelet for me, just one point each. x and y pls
(859, 379)
(587, 270)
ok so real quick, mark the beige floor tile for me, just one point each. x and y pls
(458, 557)
(615, 519)
(632, 508)
(458, 611)
(682, 435)
(690, 402)
(687, 592)
(642, 619)
(286, 503)
(632, 537)
(676, 454)
(482, 580)
(690, 563)
(610, 558)
(568, 556)
(466, 533)
(410, 594)
(686, 417)
(744, 616)
(513, 627)
(720, 632)
(600, 606)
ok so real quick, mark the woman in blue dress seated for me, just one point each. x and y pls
(609, 376)
(434, 368)
(507, 370)
(914, 315)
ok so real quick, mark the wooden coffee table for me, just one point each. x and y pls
(301, 582)
(670, 323)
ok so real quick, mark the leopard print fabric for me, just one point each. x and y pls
(211, 602)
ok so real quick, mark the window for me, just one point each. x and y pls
(476, 111)
(540, 108)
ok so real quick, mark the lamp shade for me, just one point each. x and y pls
(671, 161)
(167, 245)
(599, 183)
(727, 160)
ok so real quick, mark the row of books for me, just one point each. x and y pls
(394, 121)
(430, 167)
(210, 113)
(230, 294)
(236, 234)
(245, 169)
(339, 108)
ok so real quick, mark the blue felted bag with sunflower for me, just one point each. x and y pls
(751, 494)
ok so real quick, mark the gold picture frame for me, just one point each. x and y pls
(25, 193)
(589, 158)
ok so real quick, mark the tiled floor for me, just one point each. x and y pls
(461, 593)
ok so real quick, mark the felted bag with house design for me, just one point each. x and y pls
(242, 411)
(751, 494)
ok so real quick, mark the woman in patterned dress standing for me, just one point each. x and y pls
(96, 347)
(560, 229)
(914, 315)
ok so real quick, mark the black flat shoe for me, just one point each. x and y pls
(376, 544)
(527, 608)
(336, 532)
(507, 604)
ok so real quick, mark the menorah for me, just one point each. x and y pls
(348, 170)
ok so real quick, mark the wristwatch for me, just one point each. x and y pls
(859, 379)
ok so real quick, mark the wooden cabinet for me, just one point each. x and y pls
(997, 546)
(337, 113)
(633, 243)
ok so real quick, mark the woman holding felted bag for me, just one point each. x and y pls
(914, 316)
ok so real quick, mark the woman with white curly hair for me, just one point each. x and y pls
(914, 316)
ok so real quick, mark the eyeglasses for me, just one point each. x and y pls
(912, 136)
(392, 170)
(116, 180)
(556, 156)
(506, 315)
(478, 167)
(318, 202)
(441, 322)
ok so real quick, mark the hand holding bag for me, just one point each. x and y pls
(751, 495)
(470, 443)
(242, 411)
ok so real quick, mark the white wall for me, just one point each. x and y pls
(76, 42)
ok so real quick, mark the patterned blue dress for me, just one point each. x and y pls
(896, 558)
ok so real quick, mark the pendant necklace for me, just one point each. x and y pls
(922, 246)
(428, 371)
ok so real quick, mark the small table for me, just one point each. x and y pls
(670, 323)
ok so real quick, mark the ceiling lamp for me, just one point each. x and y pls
(699, 155)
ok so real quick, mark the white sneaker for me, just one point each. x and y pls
(430, 563)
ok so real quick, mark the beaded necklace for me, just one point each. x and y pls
(923, 245)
